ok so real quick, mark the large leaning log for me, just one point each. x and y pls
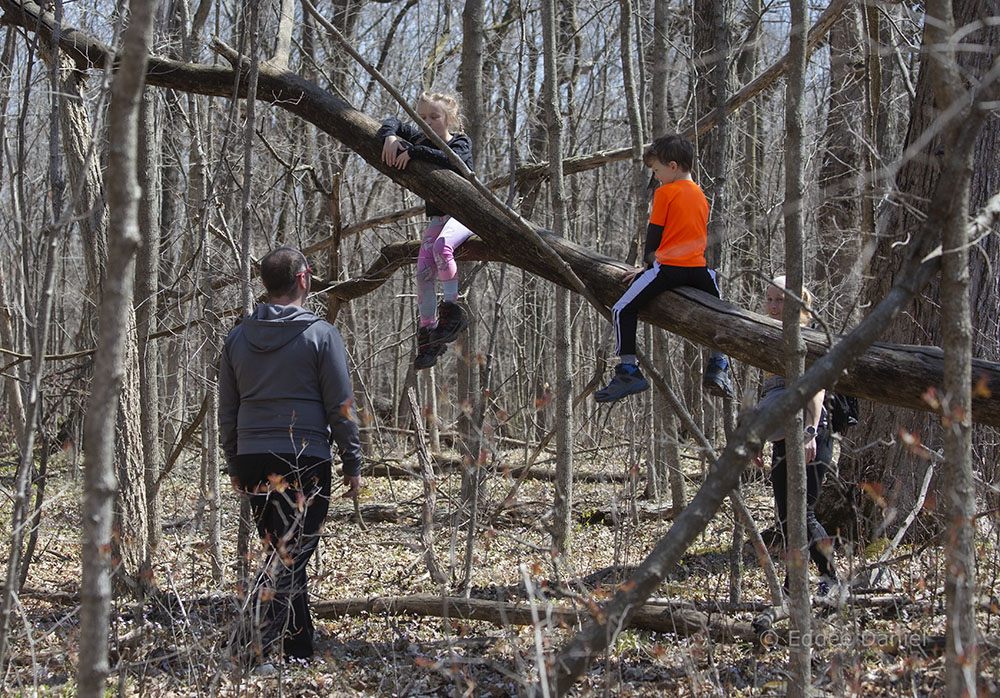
(884, 374)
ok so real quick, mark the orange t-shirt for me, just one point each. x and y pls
(682, 209)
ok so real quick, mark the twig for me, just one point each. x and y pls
(357, 514)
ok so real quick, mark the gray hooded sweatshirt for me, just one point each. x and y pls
(284, 388)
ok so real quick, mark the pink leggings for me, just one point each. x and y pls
(436, 261)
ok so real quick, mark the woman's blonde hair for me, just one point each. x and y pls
(452, 107)
(807, 298)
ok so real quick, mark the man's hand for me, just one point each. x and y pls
(236, 483)
(810, 448)
(632, 274)
(353, 485)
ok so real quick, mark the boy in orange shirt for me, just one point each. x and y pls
(675, 256)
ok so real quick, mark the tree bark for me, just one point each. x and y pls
(146, 291)
(562, 524)
(711, 48)
(99, 482)
(247, 86)
(797, 556)
(956, 401)
(659, 50)
(837, 269)
(959, 475)
(283, 40)
(640, 181)
(471, 76)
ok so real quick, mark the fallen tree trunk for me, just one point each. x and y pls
(884, 374)
(893, 374)
(678, 619)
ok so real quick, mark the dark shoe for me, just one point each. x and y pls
(451, 321)
(428, 350)
(628, 379)
(716, 380)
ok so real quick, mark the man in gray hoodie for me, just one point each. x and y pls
(284, 394)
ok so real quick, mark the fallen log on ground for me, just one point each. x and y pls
(680, 620)
(455, 466)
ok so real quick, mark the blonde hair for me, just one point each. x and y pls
(807, 298)
(452, 107)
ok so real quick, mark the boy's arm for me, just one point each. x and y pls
(654, 234)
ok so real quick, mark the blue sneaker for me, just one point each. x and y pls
(716, 380)
(628, 379)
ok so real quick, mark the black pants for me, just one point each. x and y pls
(820, 547)
(277, 484)
(648, 286)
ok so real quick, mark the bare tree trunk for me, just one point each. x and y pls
(246, 222)
(711, 37)
(563, 517)
(12, 390)
(146, 292)
(667, 448)
(15, 403)
(283, 42)
(659, 51)
(131, 545)
(636, 131)
(85, 171)
(797, 557)
(210, 440)
(471, 75)
(99, 481)
(961, 648)
(959, 475)
(837, 270)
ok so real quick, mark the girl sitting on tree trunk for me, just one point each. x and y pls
(439, 324)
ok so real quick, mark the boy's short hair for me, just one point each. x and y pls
(672, 147)
(280, 269)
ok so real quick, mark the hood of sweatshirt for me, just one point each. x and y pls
(271, 327)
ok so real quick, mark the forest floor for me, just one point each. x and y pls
(179, 643)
